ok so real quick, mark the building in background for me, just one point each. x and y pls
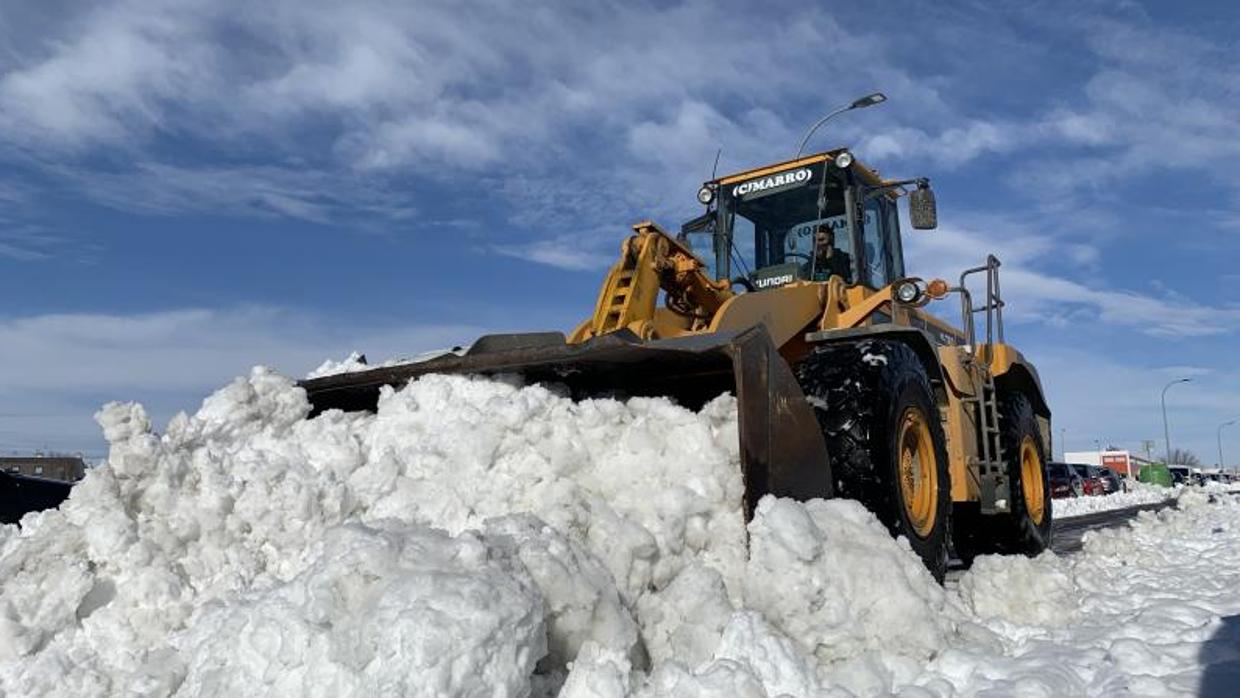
(64, 468)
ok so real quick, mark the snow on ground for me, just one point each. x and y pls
(479, 538)
(1138, 493)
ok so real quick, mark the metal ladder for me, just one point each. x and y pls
(992, 475)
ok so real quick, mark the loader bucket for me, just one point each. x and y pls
(781, 445)
(22, 494)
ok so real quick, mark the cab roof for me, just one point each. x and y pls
(857, 166)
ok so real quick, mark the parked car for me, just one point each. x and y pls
(1111, 480)
(1184, 475)
(1065, 482)
(1091, 482)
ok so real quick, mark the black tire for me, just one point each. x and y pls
(1021, 531)
(864, 393)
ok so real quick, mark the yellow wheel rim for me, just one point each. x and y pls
(1031, 480)
(919, 473)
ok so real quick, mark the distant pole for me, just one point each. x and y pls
(1063, 443)
(1167, 429)
(1220, 442)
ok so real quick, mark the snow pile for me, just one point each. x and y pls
(376, 599)
(470, 535)
(1138, 493)
(482, 538)
(1143, 610)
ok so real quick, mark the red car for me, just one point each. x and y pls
(1092, 483)
(1064, 481)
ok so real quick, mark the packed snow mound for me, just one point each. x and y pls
(1138, 493)
(830, 553)
(470, 535)
(482, 538)
(241, 504)
(1144, 609)
(398, 610)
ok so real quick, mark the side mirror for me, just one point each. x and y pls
(921, 207)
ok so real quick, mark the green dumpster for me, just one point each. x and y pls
(1155, 474)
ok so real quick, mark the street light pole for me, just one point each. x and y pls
(1167, 429)
(861, 103)
(1220, 441)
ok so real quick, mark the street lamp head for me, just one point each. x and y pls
(868, 101)
(861, 103)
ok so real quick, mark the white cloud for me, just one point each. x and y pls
(108, 82)
(1038, 284)
(564, 253)
(1117, 401)
(21, 253)
(56, 370)
(950, 147)
(310, 195)
(628, 93)
(188, 349)
(574, 119)
(608, 93)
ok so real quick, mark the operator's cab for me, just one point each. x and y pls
(766, 227)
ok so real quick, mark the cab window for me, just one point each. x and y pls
(883, 258)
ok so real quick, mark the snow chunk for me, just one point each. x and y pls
(685, 620)
(580, 598)
(396, 610)
(874, 359)
(829, 574)
(356, 361)
(1021, 590)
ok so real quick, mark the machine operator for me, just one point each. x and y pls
(829, 261)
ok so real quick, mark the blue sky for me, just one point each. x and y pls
(188, 189)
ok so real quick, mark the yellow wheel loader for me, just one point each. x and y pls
(790, 292)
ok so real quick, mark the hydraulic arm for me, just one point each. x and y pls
(652, 261)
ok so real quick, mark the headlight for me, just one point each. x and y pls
(908, 291)
(843, 160)
(706, 195)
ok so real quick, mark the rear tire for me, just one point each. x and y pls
(881, 423)
(1026, 529)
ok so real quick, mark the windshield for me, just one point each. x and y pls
(768, 224)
